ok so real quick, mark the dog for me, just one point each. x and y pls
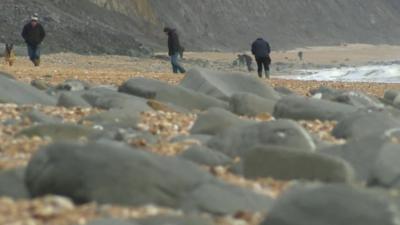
(9, 54)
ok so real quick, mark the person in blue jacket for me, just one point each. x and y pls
(261, 50)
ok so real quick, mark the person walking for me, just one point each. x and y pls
(261, 50)
(174, 50)
(34, 34)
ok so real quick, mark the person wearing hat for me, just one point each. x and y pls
(33, 34)
(261, 50)
(175, 50)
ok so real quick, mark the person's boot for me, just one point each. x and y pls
(260, 74)
(36, 62)
(267, 74)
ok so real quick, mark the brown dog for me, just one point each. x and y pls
(9, 54)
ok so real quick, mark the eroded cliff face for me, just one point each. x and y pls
(118, 26)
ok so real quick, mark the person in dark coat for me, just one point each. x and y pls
(261, 50)
(174, 50)
(34, 34)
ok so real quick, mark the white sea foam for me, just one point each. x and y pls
(374, 73)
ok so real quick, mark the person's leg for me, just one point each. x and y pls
(37, 56)
(267, 65)
(173, 60)
(259, 66)
(31, 52)
(178, 66)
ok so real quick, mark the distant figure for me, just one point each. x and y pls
(174, 50)
(300, 55)
(261, 50)
(33, 34)
(9, 54)
(245, 59)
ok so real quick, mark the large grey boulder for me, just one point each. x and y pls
(285, 133)
(247, 104)
(215, 120)
(164, 92)
(364, 123)
(385, 170)
(288, 164)
(223, 85)
(36, 116)
(109, 99)
(176, 220)
(205, 156)
(72, 100)
(58, 131)
(302, 108)
(390, 95)
(12, 184)
(360, 153)
(122, 118)
(13, 91)
(113, 173)
(332, 205)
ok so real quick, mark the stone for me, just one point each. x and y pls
(36, 116)
(121, 118)
(12, 184)
(360, 153)
(73, 85)
(332, 204)
(40, 84)
(288, 164)
(385, 170)
(365, 123)
(58, 131)
(176, 220)
(285, 133)
(247, 104)
(13, 91)
(111, 221)
(70, 100)
(302, 108)
(109, 99)
(113, 173)
(283, 91)
(223, 85)
(205, 156)
(390, 95)
(164, 92)
(216, 120)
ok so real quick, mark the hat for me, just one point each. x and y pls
(35, 17)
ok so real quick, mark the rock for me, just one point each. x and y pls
(58, 131)
(164, 92)
(73, 85)
(121, 118)
(358, 99)
(288, 164)
(12, 184)
(360, 153)
(216, 120)
(201, 138)
(390, 95)
(36, 116)
(40, 84)
(364, 123)
(223, 85)
(176, 220)
(111, 173)
(247, 104)
(72, 100)
(284, 133)
(283, 91)
(205, 156)
(332, 205)
(13, 91)
(396, 102)
(302, 108)
(385, 170)
(111, 221)
(108, 99)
